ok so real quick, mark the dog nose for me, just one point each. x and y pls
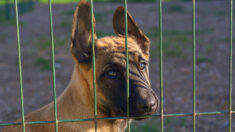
(149, 106)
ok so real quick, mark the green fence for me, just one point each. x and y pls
(194, 113)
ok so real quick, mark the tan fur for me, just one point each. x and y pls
(77, 101)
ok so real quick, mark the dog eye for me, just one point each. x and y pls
(112, 74)
(143, 65)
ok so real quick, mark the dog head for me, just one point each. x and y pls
(111, 64)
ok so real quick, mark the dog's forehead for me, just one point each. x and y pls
(116, 44)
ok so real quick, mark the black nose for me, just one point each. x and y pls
(148, 106)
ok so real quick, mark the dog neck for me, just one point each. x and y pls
(77, 102)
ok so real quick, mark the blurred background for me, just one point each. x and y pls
(212, 38)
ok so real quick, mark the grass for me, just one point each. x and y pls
(103, 34)
(221, 13)
(173, 8)
(154, 32)
(43, 63)
(68, 12)
(75, 1)
(174, 42)
(66, 24)
(153, 125)
(44, 45)
(99, 16)
(11, 22)
(170, 48)
(3, 37)
(5, 22)
(44, 42)
(202, 59)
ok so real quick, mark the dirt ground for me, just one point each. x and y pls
(212, 23)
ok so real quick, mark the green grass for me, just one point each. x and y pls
(153, 125)
(3, 37)
(174, 42)
(5, 22)
(202, 59)
(11, 22)
(44, 42)
(68, 12)
(66, 24)
(99, 16)
(43, 63)
(173, 8)
(2, 2)
(221, 13)
(103, 34)
(170, 48)
(154, 32)
(75, 1)
(44, 45)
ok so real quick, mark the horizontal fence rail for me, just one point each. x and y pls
(194, 113)
(115, 118)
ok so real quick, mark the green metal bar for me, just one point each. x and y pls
(115, 118)
(161, 68)
(127, 68)
(53, 65)
(231, 66)
(20, 65)
(194, 64)
(93, 62)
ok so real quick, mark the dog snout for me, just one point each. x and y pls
(148, 106)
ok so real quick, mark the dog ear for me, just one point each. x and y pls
(81, 32)
(133, 29)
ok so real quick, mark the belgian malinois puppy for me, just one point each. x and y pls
(77, 101)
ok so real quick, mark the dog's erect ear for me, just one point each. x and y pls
(81, 32)
(133, 29)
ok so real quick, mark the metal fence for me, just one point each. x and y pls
(194, 113)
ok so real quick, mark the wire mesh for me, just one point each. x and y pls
(93, 64)
(53, 65)
(194, 114)
(20, 66)
(127, 68)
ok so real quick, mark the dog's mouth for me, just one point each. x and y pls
(134, 111)
(139, 109)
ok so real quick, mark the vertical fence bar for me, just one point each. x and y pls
(230, 66)
(127, 67)
(194, 64)
(161, 68)
(20, 66)
(53, 65)
(93, 64)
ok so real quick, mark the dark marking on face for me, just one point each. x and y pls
(112, 84)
